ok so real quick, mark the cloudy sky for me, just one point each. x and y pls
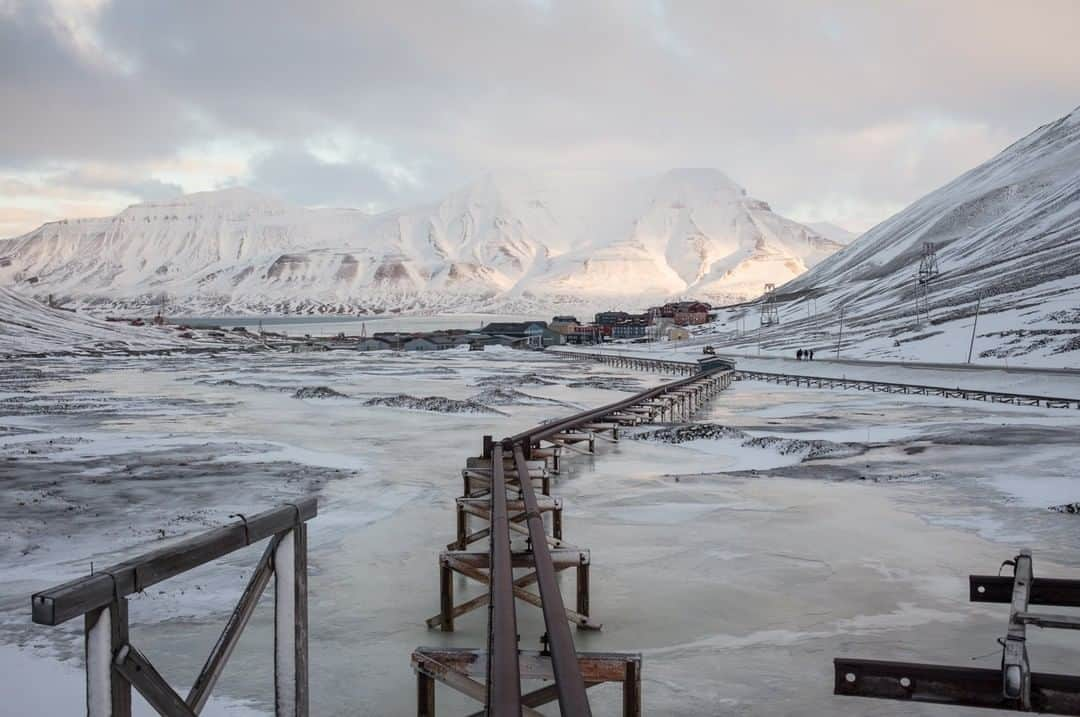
(841, 111)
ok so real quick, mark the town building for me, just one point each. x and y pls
(632, 328)
(564, 325)
(684, 313)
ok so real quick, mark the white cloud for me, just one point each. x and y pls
(839, 110)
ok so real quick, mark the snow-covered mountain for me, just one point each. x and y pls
(508, 240)
(1008, 231)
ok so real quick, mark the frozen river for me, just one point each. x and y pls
(820, 524)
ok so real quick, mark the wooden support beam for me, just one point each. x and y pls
(291, 624)
(78, 597)
(424, 662)
(106, 630)
(230, 636)
(582, 621)
(142, 675)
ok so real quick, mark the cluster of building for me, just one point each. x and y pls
(659, 322)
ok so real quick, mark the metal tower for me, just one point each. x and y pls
(769, 313)
(928, 271)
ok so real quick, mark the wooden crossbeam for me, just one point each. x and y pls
(470, 571)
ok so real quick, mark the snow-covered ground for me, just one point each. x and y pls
(739, 556)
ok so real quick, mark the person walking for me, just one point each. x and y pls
(811, 354)
(798, 355)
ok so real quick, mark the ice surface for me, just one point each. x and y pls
(738, 570)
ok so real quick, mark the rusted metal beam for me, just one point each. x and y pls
(960, 686)
(1044, 591)
(503, 698)
(569, 683)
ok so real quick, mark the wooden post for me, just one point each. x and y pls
(583, 587)
(632, 689)
(425, 695)
(462, 527)
(446, 596)
(291, 624)
(107, 693)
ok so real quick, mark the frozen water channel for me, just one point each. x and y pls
(805, 524)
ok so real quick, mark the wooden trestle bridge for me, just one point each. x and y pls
(500, 491)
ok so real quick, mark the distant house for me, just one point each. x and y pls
(630, 328)
(610, 318)
(564, 325)
(588, 334)
(676, 333)
(371, 343)
(308, 347)
(511, 328)
(421, 343)
(394, 339)
(536, 333)
(685, 313)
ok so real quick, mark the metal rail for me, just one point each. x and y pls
(787, 379)
(1012, 687)
(503, 678)
(568, 681)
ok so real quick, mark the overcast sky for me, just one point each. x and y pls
(840, 111)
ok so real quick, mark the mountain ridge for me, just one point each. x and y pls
(547, 238)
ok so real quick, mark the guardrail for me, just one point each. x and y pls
(114, 665)
(684, 367)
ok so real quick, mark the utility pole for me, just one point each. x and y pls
(840, 335)
(971, 346)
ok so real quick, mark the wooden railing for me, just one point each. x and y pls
(114, 665)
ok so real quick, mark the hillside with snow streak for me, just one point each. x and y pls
(1007, 235)
(510, 240)
(29, 327)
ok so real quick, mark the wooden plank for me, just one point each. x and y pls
(423, 662)
(290, 625)
(145, 678)
(564, 557)
(596, 667)
(77, 597)
(106, 632)
(230, 635)
(582, 621)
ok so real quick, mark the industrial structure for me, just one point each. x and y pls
(928, 271)
(770, 313)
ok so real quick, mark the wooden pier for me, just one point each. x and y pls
(507, 490)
